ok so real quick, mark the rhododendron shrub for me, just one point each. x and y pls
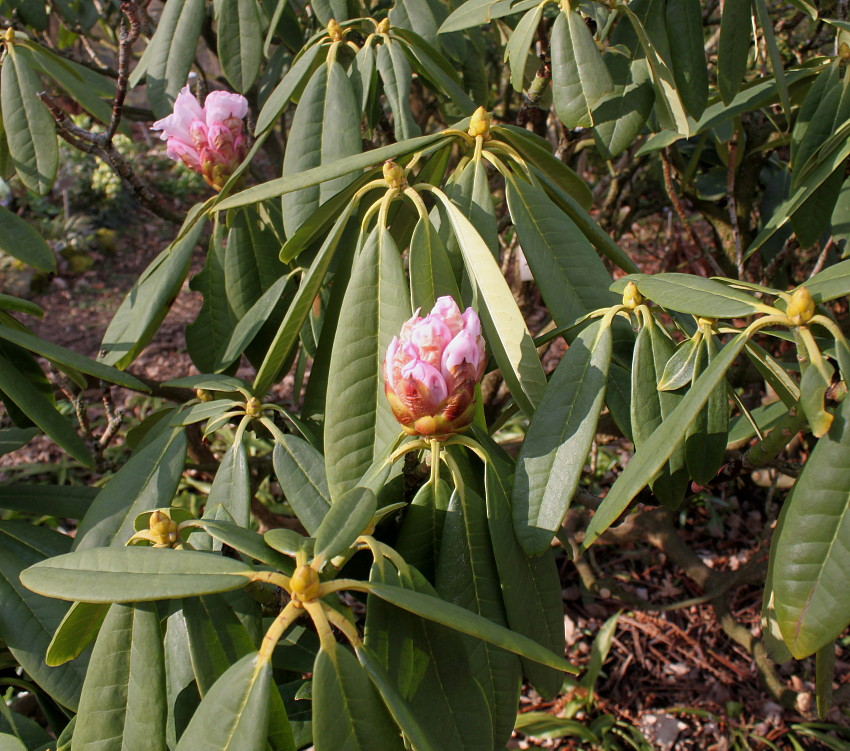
(420, 343)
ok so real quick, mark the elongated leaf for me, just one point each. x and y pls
(147, 481)
(134, 574)
(289, 84)
(662, 443)
(396, 76)
(477, 12)
(246, 541)
(686, 293)
(552, 456)
(122, 704)
(11, 439)
(39, 408)
(687, 54)
(239, 42)
(505, 330)
(774, 55)
(70, 359)
(580, 77)
(30, 132)
(300, 470)
(830, 283)
(531, 589)
(232, 485)
(316, 175)
(234, 715)
(619, 117)
(77, 630)
(431, 274)
(375, 306)
(19, 240)
(429, 666)
(462, 620)
(325, 130)
(467, 576)
(516, 50)
(813, 546)
(418, 539)
(679, 369)
(27, 621)
(172, 50)
(734, 46)
(705, 444)
(347, 519)
(356, 719)
(147, 303)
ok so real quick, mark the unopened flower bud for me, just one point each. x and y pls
(384, 26)
(431, 370)
(632, 296)
(479, 125)
(802, 307)
(844, 51)
(204, 395)
(253, 407)
(394, 174)
(163, 529)
(10, 35)
(705, 322)
(335, 31)
(305, 583)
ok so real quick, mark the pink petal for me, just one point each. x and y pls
(447, 309)
(221, 105)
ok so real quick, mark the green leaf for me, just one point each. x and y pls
(30, 132)
(679, 369)
(428, 666)
(39, 408)
(774, 55)
(28, 621)
(734, 47)
(325, 130)
(824, 675)
(505, 330)
(147, 481)
(11, 439)
(431, 274)
(813, 386)
(552, 456)
(134, 574)
(299, 308)
(239, 38)
(705, 444)
(478, 12)
(64, 501)
(16, 304)
(315, 175)
(172, 52)
(11, 743)
(662, 443)
(418, 539)
(531, 588)
(467, 576)
(353, 717)
(813, 546)
(246, 541)
(77, 630)
(830, 283)
(148, 301)
(288, 86)
(686, 293)
(397, 78)
(347, 519)
(516, 50)
(619, 117)
(122, 704)
(300, 471)
(232, 485)
(375, 306)
(580, 77)
(545, 726)
(70, 359)
(460, 619)
(599, 653)
(234, 715)
(19, 240)
(687, 54)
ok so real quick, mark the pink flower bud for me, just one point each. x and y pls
(208, 139)
(431, 370)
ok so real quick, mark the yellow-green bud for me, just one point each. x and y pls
(843, 51)
(384, 26)
(335, 31)
(705, 322)
(10, 35)
(394, 174)
(802, 306)
(632, 296)
(479, 125)
(253, 407)
(204, 395)
(163, 528)
(305, 584)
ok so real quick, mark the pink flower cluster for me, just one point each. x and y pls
(209, 139)
(431, 370)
